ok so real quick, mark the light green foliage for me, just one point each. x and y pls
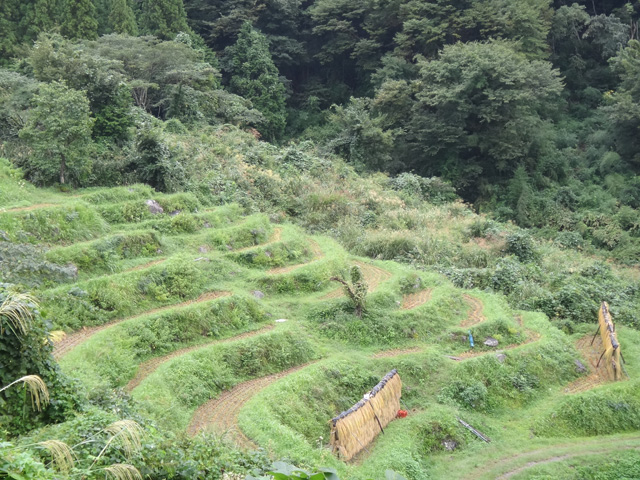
(254, 76)
(163, 18)
(62, 224)
(595, 413)
(192, 379)
(104, 255)
(111, 358)
(59, 133)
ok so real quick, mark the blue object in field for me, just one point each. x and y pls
(471, 339)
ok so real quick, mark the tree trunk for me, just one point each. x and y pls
(63, 167)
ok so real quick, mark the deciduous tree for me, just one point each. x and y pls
(59, 132)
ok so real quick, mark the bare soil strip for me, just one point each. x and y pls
(74, 339)
(414, 300)
(147, 368)
(146, 265)
(317, 255)
(29, 208)
(373, 275)
(277, 235)
(531, 337)
(475, 316)
(597, 375)
(396, 352)
(221, 414)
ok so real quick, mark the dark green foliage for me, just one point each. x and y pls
(475, 105)
(25, 264)
(29, 353)
(155, 163)
(55, 59)
(79, 19)
(163, 18)
(254, 76)
(121, 18)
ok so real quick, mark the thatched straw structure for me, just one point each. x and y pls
(353, 430)
(611, 355)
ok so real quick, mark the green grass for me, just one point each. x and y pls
(173, 392)
(111, 357)
(518, 402)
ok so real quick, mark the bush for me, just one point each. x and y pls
(521, 245)
(64, 224)
(103, 255)
(600, 412)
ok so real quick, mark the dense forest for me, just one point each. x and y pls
(486, 144)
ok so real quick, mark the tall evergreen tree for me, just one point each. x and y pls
(254, 76)
(163, 18)
(121, 18)
(37, 16)
(8, 9)
(79, 20)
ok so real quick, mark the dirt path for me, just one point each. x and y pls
(414, 300)
(597, 375)
(396, 352)
(147, 368)
(550, 454)
(373, 275)
(146, 265)
(475, 315)
(277, 235)
(221, 414)
(317, 255)
(531, 337)
(74, 339)
(560, 458)
(29, 208)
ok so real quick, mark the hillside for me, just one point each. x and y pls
(181, 311)
(223, 222)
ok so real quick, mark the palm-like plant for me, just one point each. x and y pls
(15, 313)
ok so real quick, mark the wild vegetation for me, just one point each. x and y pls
(221, 223)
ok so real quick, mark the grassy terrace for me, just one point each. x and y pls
(215, 320)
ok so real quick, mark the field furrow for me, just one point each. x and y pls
(373, 275)
(396, 352)
(74, 339)
(475, 315)
(414, 300)
(317, 255)
(597, 374)
(147, 368)
(221, 414)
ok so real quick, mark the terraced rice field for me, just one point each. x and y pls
(229, 316)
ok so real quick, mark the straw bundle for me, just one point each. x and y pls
(353, 430)
(611, 355)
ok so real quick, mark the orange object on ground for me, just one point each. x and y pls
(402, 413)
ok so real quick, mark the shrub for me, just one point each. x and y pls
(521, 245)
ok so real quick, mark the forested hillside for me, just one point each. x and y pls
(186, 184)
